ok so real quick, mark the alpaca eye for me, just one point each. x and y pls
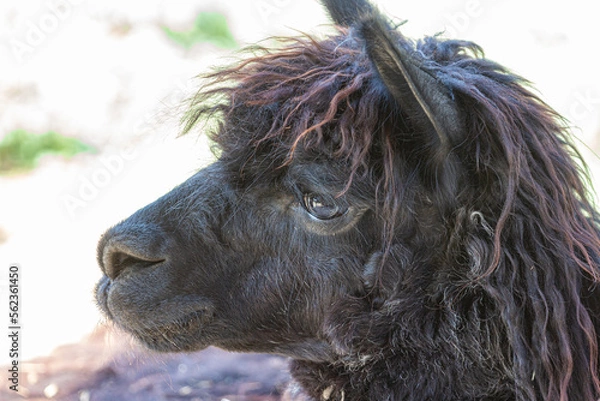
(322, 208)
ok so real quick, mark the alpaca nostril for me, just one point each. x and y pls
(116, 258)
(129, 246)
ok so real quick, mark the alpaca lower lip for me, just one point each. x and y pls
(170, 314)
(183, 333)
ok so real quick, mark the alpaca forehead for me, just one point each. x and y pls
(320, 91)
(310, 165)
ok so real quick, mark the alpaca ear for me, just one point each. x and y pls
(422, 98)
(348, 12)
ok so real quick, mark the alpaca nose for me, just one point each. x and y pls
(124, 248)
(116, 259)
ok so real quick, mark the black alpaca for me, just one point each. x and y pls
(405, 220)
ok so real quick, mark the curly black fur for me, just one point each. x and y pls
(405, 220)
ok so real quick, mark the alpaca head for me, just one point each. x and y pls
(374, 199)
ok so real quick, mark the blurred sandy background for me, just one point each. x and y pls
(105, 72)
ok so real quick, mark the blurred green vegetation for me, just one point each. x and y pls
(20, 150)
(208, 27)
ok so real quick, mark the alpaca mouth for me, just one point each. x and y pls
(174, 324)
